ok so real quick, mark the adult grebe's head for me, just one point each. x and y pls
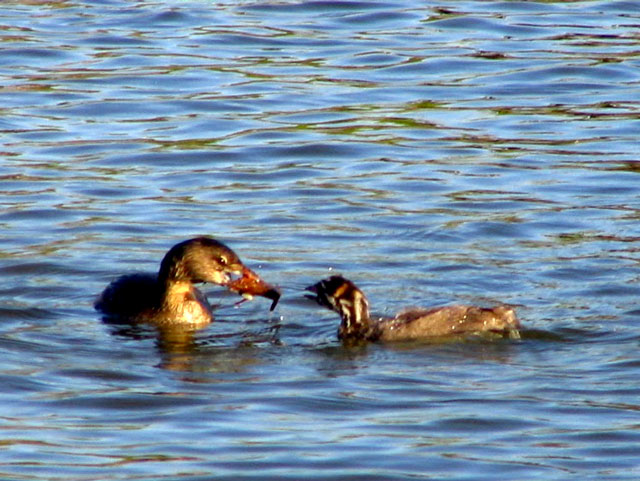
(201, 259)
(342, 296)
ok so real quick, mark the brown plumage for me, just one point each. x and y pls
(170, 296)
(342, 296)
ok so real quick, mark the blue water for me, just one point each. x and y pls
(476, 152)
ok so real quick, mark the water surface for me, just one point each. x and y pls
(475, 152)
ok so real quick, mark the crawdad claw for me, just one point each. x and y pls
(250, 284)
(274, 295)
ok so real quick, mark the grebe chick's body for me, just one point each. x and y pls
(343, 296)
(170, 296)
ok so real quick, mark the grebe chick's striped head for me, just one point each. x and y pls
(342, 296)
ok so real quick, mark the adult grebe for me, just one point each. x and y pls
(170, 296)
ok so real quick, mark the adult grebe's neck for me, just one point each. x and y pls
(172, 266)
(182, 301)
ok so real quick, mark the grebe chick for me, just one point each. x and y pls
(342, 296)
(170, 296)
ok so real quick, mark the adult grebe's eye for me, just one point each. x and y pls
(222, 260)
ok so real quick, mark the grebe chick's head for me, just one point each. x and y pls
(342, 296)
(201, 259)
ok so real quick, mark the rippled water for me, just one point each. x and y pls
(442, 152)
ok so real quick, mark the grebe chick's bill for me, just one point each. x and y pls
(343, 296)
(170, 295)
